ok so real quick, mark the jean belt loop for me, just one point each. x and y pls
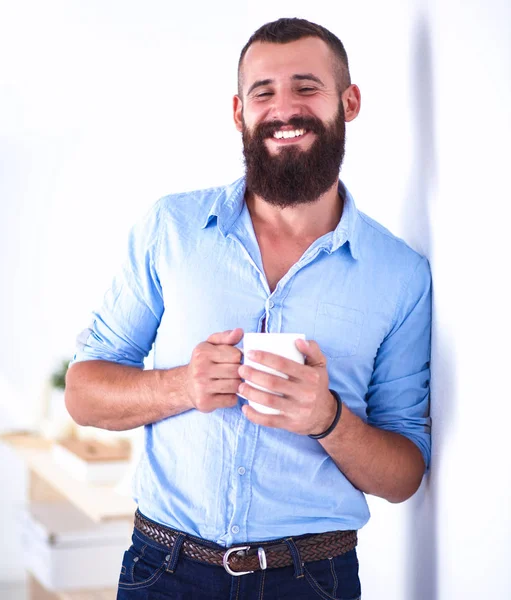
(174, 555)
(297, 559)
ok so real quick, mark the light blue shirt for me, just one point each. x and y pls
(194, 268)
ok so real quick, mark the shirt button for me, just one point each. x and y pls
(241, 470)
(271, 304)
(235, 529)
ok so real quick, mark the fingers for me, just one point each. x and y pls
(312, 352)
(210, 402)
(225, 354)
(265, 398)
(206, 352)
(279, 363)
(225, 371)
(276, 421)
(218, 386)
(229, 337)
(223, 350)
(216, 393)
(213, 377)
(269, 381)
(291, 368)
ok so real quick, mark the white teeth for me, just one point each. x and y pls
(288, 134)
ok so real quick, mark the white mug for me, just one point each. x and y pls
(282, 344)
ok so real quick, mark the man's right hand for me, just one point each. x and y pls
(212, 374)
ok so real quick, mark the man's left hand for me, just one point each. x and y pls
(306, 405)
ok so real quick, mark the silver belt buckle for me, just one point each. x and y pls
(242, 550)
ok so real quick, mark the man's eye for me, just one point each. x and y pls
(307, 89)
(263, 94)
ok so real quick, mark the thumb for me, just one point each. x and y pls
(229, 337)
(312, 351)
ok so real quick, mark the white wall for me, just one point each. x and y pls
(472, 482)
(106, 106)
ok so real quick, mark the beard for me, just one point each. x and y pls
(293, 176)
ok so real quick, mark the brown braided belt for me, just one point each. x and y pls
(240, 560)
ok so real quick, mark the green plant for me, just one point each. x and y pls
(58, 378)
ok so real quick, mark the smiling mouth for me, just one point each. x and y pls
(286, 135)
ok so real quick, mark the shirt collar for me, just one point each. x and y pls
(347, 229)
(228, 205)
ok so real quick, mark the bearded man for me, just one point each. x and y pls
(232, 502)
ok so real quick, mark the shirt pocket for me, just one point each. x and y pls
(338, 329)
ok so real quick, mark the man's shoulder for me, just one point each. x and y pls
(390, 262)
(382, 242)
(192, 203)
(180, 212)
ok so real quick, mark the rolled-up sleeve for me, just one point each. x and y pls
(398, 395)
(124, 328)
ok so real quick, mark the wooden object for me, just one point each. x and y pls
(93, 461)
(99, 502)
(94, 451)
(48, 482)
(39, 490)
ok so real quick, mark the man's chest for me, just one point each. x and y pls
(278, 257)
(224, 284)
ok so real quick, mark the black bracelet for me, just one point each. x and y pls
(320, 436)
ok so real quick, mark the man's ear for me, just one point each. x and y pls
(351, 101)
(237, 107)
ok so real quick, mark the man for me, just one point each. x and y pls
(232, 502)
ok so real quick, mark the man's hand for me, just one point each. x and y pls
(212, 379)
(306, 406)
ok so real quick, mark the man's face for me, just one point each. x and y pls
(292, 119)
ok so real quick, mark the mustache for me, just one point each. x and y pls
(268, 128)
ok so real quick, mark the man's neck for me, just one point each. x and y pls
(306, 221)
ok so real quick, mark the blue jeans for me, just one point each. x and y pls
(152, 572)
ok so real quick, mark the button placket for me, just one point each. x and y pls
(270, 313)
(247, 440)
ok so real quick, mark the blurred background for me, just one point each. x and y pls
(105, 106)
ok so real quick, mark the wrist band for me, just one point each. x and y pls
(319, 436)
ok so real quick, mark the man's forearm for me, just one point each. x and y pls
(112, 396)
(378, 462)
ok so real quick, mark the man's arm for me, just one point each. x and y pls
(118, 397)
(375, 461)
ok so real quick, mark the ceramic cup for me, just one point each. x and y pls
(282, 344)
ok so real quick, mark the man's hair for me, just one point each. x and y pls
(283, 31)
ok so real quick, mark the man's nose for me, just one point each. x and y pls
(284, 106)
